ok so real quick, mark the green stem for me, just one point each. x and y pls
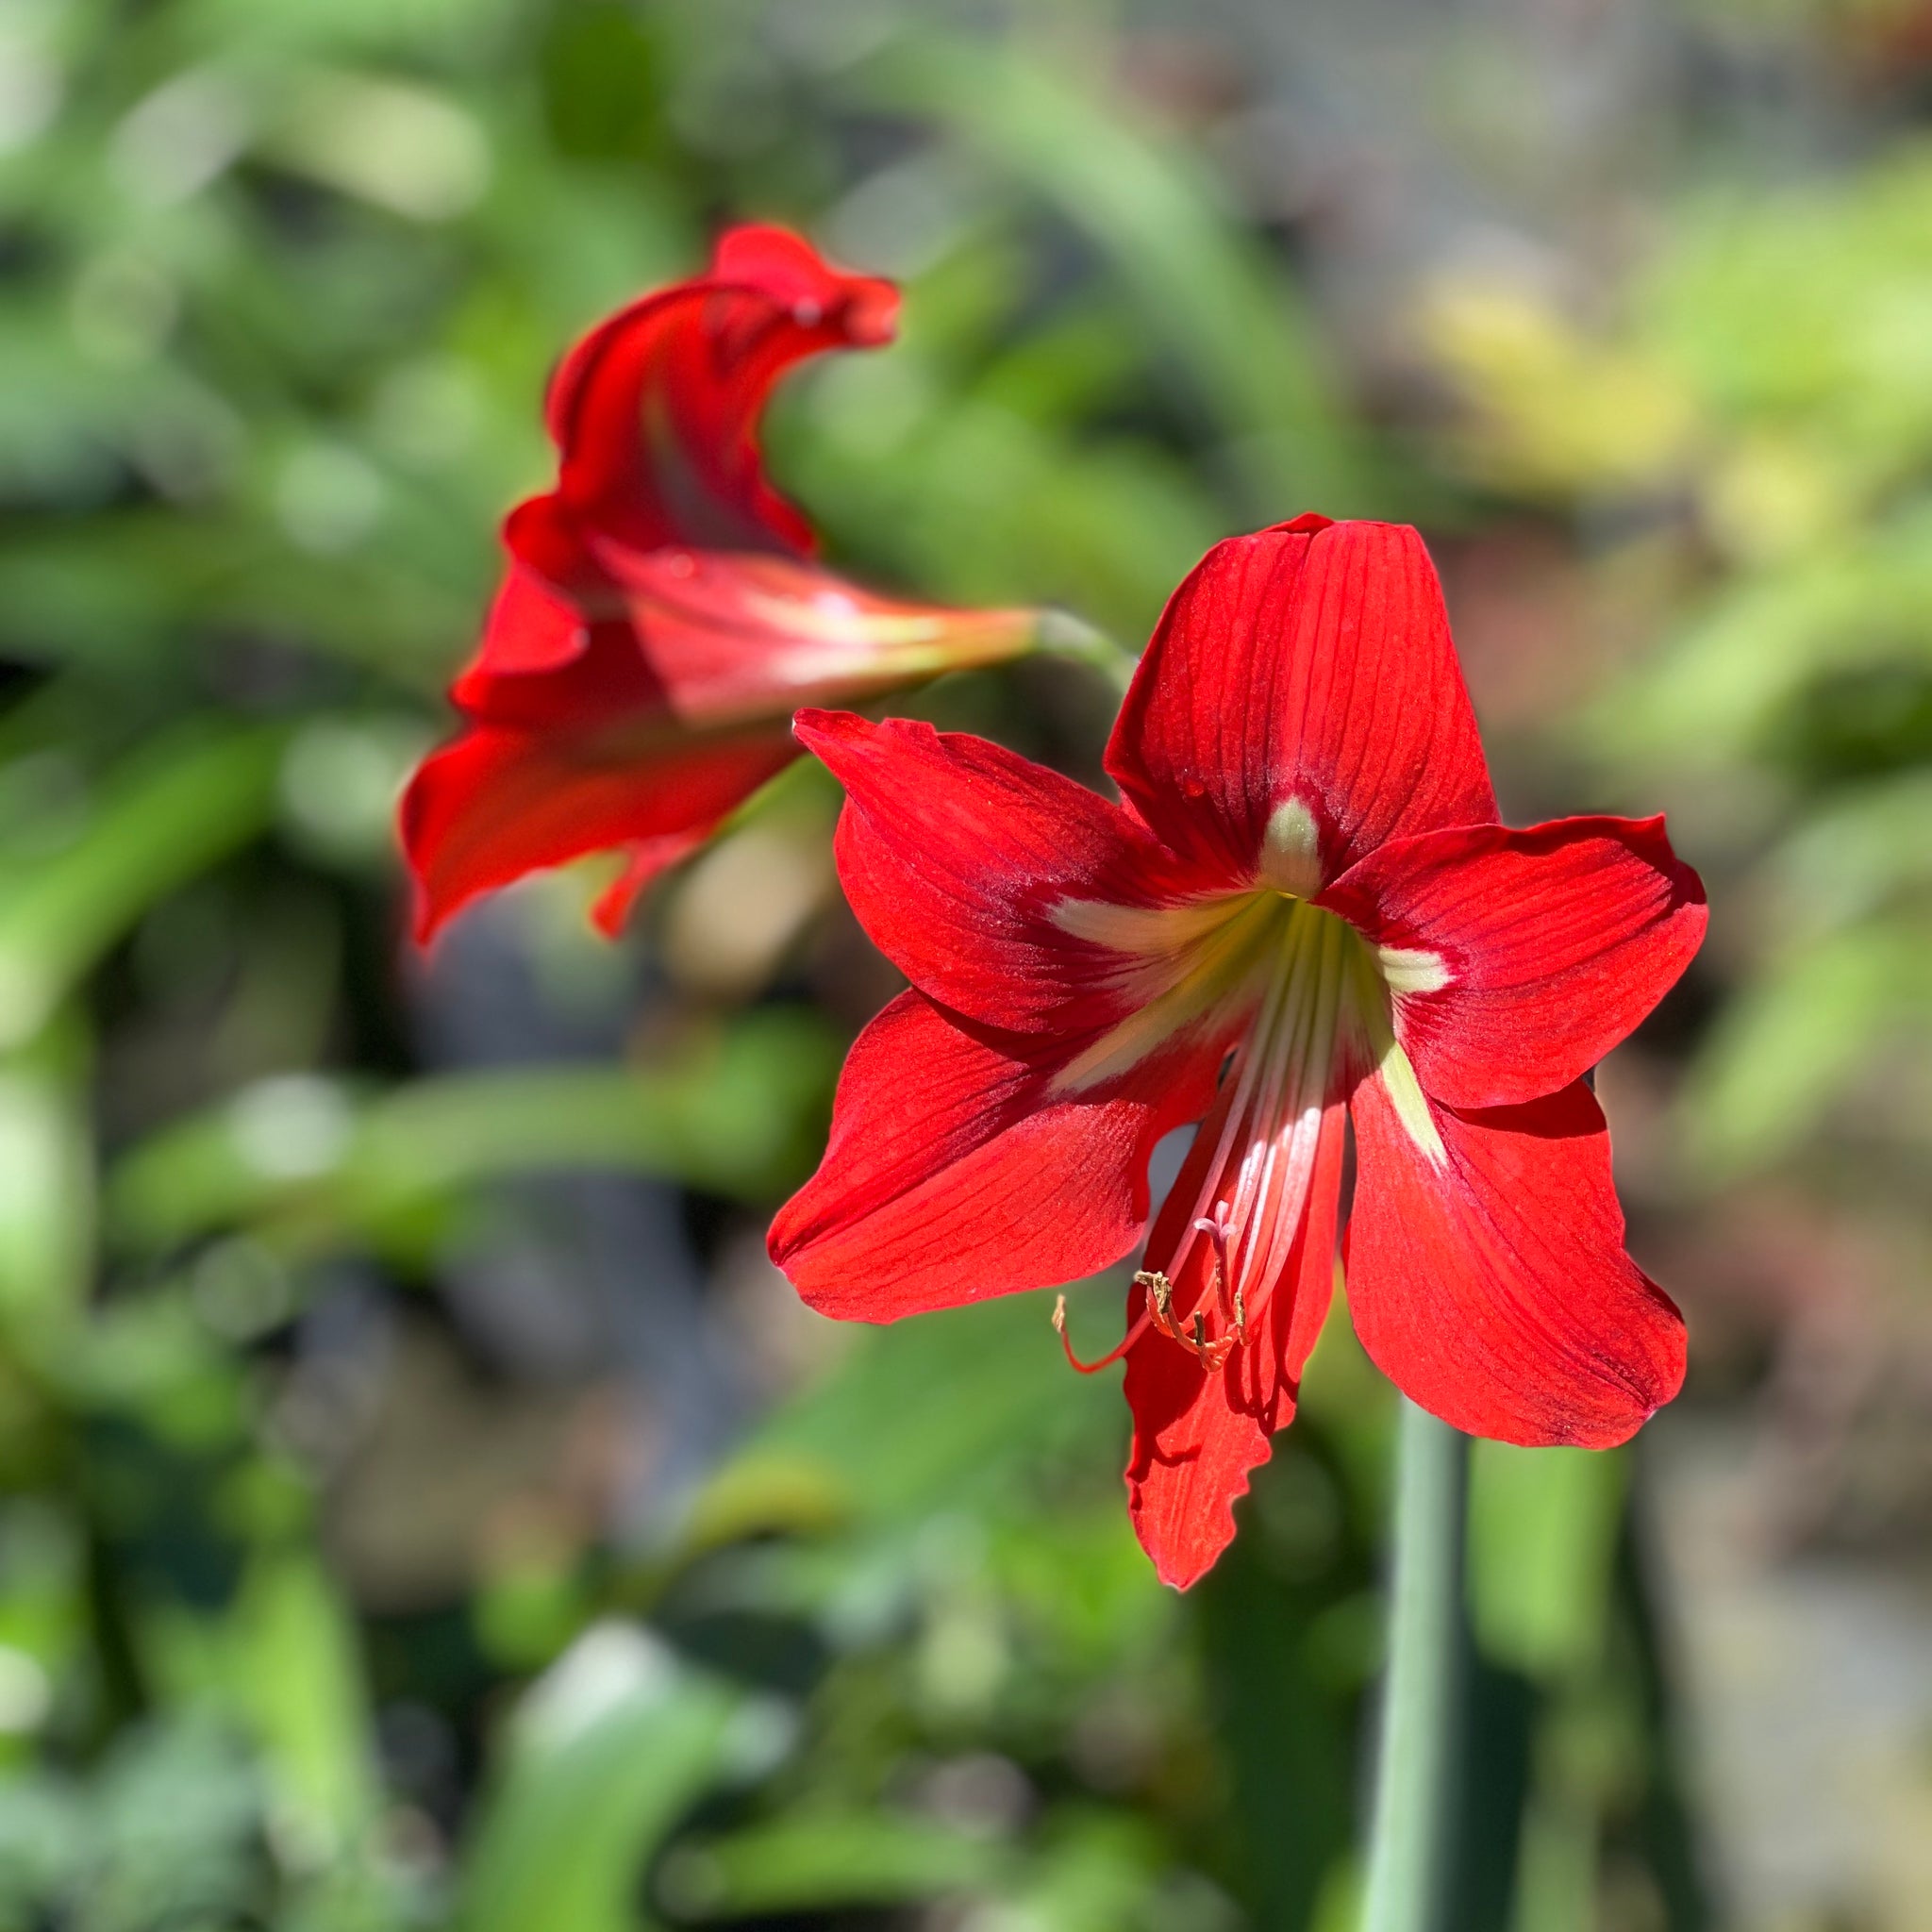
(1417, 1781)
(1062, 635)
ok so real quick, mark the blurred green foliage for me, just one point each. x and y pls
(1756, 415)
(278, 287)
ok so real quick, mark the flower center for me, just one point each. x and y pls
(1310, 1004)
(1209, 1277)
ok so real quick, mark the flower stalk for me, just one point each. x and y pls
(1063, 635)
(1418, 1775)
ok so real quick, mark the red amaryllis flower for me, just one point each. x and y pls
(661, 615)
(1303, 911)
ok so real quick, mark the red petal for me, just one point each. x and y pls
(655, 411)
(791, 271)
(1493, 1288)
(1308, 663)
(1554, 943)
(496, 803)
(531, 628)
(740, 635)
(714, 639)
(643, 863)
(953, 1175)
(655, 414)
(1197, 1434)
(541, 665)
(954, 853)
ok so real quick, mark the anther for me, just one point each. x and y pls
(1193, 1337)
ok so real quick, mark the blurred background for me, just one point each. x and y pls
(421, 1504)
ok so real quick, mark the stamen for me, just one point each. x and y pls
(1212, 1354)
(1254, 1191)
(1112, 1356)
(1159, 1312)
(1317, 1050)
(1216, 1231)
(1159, 1290)
(1320, 1005)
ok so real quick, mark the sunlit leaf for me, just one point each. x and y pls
(46, 1179)
(605, 1754)
(172, 811)
(813, 1863)
(1239, 330)
(1805, 1026)
(316, 1162)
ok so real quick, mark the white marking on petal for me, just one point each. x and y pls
(1372, 1022)
(1410, 1104)
(1207, 963)
(1291, 851)
(1141, 1033)
(1142, 930)
(1409, 969)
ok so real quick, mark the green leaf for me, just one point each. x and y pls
(881, 1446)
(281, 1661)
(301, 1679)
(46, 1179)
(814, 1861)
(605, 1753)
(1853, 855)
(1239, 328)
(317, 1161)
(1797, 1035)
(163, 817)
(1712, 695)
(1542, 1539)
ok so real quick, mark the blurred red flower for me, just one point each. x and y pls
(1303, 910)
(661, 615)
